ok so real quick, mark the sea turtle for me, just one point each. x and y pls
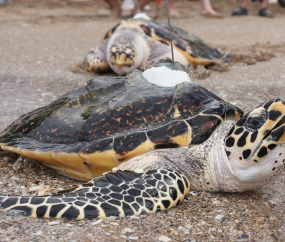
(112, 119)
(139, 43)
(206, 146)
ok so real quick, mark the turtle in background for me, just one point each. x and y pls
(140, 43)
(180, 138)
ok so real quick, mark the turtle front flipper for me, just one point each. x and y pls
(96, 59)
(118, 193)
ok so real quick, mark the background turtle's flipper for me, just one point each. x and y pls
(199, 47)
(118, 193)
(200, 52)
(96, 60)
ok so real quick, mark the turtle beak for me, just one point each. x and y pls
(278, 132)
(276, 113)
(276, 123)
(270, 141)
(273, 130)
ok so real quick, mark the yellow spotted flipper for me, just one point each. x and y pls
(118, 193)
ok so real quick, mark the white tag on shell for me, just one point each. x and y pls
(164, 77)
(141, 15)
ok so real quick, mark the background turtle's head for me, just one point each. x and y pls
(127, 48)
(255, 146)
(122, 53)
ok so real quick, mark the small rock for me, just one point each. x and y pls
(97, 222)
(202, 223)
(220, 216)
(53, 223)
(46, 94)
(171, 213)
(164, 238)
(133, 237)
(272, 202)
(216, 202)
(189, 226)
(114, 223)
(40, 189)
(128, 230)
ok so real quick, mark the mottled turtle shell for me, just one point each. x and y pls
(195, 50)
(91, 130)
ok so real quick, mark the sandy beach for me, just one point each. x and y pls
(43, 43)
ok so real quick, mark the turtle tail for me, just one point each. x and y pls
(117, 193)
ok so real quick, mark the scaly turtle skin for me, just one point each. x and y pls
(238, 156)
(89, 131)
(139, 43)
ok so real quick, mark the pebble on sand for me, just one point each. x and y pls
(220, 216)
(97, 222)
(164, 238)
(53, 223)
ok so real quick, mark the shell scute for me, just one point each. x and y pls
(97, 145)
(164, 134)
(190, 100)
(135, 110)
(122, 145)
(202, 127)
(64, 125)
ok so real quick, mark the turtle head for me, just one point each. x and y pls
(122, 54)
(255, 145)
(127, 48)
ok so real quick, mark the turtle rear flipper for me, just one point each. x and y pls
(201, 53)
(119, 193)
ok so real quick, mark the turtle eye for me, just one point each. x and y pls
(254, 123)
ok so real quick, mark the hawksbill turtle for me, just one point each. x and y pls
(139, 43)
(164, 140)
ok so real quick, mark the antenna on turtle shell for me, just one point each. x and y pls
(137, 2)
(171, 40)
